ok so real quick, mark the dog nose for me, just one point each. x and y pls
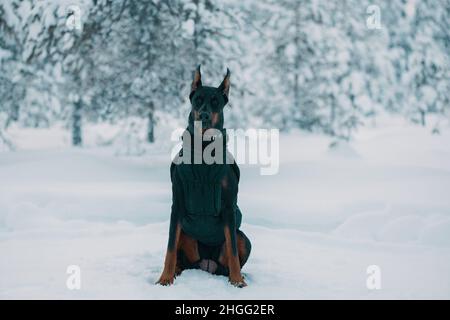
(204, 116)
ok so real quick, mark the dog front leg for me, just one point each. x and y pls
(170, 262)
(232, 256)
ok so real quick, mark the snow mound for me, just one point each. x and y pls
(385, 226)
(437, 234)
(402, 229)
(343, 149)
(362, 226)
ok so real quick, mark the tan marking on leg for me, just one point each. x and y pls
(190, 247)
(242, 250)
(170, 262)
(234, 267)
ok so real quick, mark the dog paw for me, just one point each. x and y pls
(178, 271)
(165, 280)
(238, 282)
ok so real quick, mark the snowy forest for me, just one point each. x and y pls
(91, 95)
(315, 65)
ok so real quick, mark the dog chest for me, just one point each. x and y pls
(202, 188)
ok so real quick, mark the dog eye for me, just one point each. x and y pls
(214, 102)
(199, 100)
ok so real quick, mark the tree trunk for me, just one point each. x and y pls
(196, 35)
(15, 112)
(333, 114)
(151, 124)
(422, 118)
(297, 63)
(5, 141)
(77, 139)
(13, 115)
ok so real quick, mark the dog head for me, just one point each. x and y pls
(208, 102)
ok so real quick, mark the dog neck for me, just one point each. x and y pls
(193, 145)
(206, 140)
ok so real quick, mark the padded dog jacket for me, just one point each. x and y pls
(202, 195)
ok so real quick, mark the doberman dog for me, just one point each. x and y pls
(205, 219)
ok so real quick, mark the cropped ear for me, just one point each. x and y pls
(197, 81)
(225, 85)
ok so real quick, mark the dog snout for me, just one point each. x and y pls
(205, 116)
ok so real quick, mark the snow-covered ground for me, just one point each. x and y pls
(383, 199)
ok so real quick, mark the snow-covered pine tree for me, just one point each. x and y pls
(317, 57)
(65, 55)
(12, 89)
(25, 93)
(427, 74)
(141, 64)
(213, 34)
